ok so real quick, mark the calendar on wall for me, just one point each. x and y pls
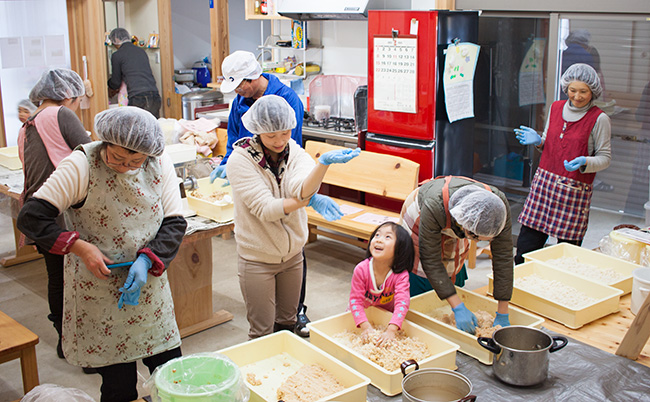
(395, 74)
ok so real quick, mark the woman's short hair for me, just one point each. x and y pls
(404, 250)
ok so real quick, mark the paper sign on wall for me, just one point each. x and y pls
(531, 74)
(395, 73)
(458, 80)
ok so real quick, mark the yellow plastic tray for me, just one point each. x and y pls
(424, 305)
(217, 211)
(389, 382)
(9, 158)
(607, 297)
(586, 256)
(269, 357)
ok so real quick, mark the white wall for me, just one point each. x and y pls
(44, 19)
(191, 32)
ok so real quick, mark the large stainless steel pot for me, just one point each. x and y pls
(434, 385)
(521, 353)
(199, 98)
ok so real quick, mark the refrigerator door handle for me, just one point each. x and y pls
(398, 142)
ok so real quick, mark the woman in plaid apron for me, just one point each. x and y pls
(442, 216)
(576, 145)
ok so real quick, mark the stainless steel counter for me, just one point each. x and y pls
(329, 136)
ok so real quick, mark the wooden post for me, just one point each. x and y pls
(219, 35)
(171, 101)
(86, 33)
(445, 4)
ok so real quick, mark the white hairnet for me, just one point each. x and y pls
(132, 128)
(28, 105)
(57, 84)
(119, 36)
(478, 210)
(269, 114)
(583, 73)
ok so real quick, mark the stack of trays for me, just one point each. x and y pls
(606, 297)
(273, 358)
(586, 256)
(9, 158)
(422, 307)
(219, 211)
(389, 382)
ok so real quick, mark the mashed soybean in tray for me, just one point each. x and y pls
(390, 357)
(310, 383)
(485, 320)
(212, 197)
(598, 274)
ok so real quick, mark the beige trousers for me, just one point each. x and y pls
(271, 293)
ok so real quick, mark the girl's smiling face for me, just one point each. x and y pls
(382, 245)
(579, 93)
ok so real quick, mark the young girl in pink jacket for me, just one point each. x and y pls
(382, 279)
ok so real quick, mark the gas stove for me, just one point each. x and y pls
(339, 124)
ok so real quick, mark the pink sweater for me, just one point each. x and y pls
(393, 295)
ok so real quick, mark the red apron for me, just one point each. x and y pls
(559, 200)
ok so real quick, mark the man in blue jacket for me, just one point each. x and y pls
(243, 74)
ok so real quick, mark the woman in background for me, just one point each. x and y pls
(48, 135)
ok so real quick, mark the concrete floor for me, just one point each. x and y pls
(330, 264)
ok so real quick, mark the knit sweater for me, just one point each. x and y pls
(264, 233)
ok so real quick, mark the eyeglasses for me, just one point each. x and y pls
(471, 235)
(115, 164)
(240, 87)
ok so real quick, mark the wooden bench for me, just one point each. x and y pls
(17, 342)
(374, 173)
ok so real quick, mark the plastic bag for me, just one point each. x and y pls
(210, 375)
(56, 393)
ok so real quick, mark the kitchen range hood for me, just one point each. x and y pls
(336, 9)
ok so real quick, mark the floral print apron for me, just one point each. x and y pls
(120, 215)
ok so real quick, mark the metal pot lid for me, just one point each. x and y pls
(203, 94)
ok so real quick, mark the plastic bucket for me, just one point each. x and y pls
(640, 288)
(200, 378)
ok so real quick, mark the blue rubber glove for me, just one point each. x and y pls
(465, 319)
(502, 319)
(575, 164)
(326, 206)
(135, 281)
(339, 156)
(527, 136)
(219, 171)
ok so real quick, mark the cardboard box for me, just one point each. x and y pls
(607, 297)
(273, 358)
(423, 306)
(219, 211)
(388, 382)
(586, 256)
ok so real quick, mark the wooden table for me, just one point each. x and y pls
(16, 342)
(605, 333)
(190, 279)
(24, 253)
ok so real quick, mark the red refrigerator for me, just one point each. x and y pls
(406, 109)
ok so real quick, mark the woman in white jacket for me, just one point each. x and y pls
(272, 180)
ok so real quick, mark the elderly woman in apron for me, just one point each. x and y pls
(122, 204)
(575, 144)
(442, 216)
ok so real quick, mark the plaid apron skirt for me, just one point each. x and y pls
(557, 206)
